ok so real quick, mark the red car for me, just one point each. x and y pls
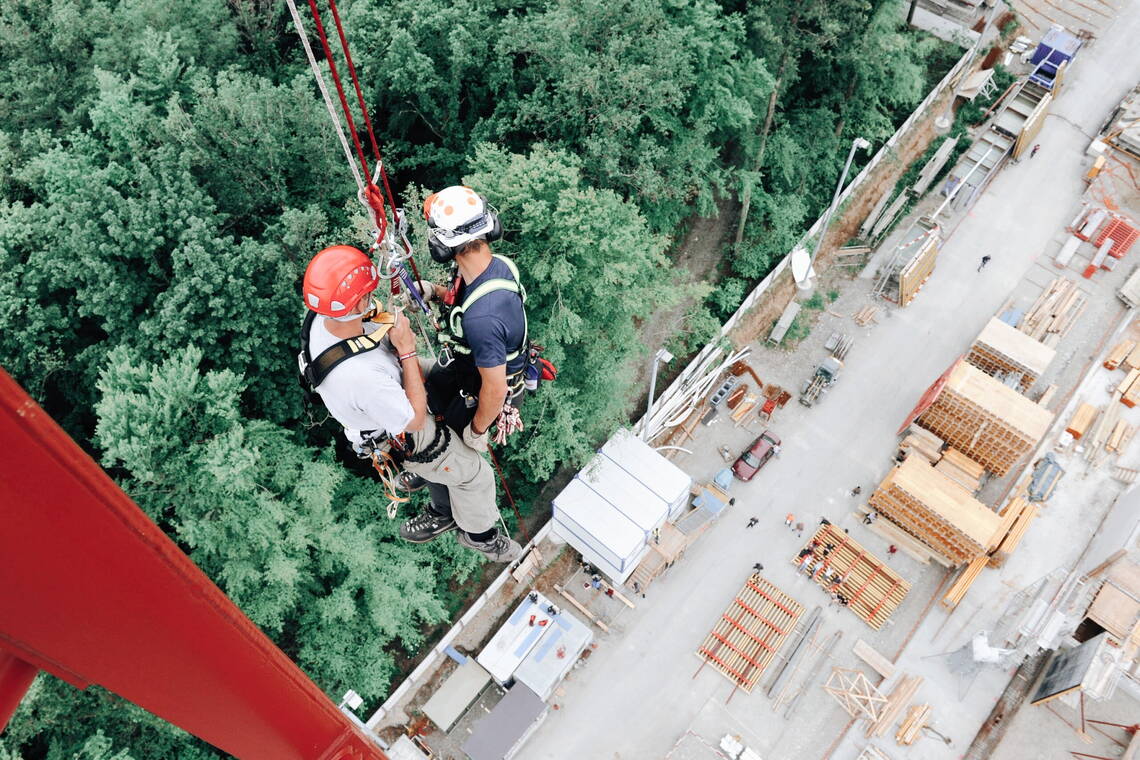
(756, 456)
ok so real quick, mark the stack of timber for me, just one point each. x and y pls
(1129, 388)
(865, 316)
(1082, 420)
(923, 443)
(872, 589)
(1120, 437)
(1020, 514)
(871, 752)
(1101, 432)
(1119, 353)
(936, 510)
(987, 421)
(750, 632)
(917, 717)
(961, 469)
(1054, 312)
(1001, 350)
(903, 692)
(964, 581)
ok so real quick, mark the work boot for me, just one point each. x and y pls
(501, 548)
(410, 482)
(426, 526)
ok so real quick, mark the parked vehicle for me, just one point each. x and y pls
(756, 456)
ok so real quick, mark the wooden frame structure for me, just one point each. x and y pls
(750, 632)
(1001, 350)
(937, 511)
(855, 694)
(872, 589)
(987, 421)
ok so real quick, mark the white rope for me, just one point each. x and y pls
(319, 76)
(508, 423)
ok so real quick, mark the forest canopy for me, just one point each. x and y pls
(168, 168)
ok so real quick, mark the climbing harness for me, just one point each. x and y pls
(314, 371)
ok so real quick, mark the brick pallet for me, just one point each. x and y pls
(987, 421)
(873, 591)
(936, 510)
(1001, 349)
(750, 632)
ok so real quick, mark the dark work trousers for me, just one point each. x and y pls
(453, 391)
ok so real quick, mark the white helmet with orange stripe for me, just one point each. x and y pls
(457, 215)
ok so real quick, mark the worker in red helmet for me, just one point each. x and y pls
(364, 366)
(486, 350)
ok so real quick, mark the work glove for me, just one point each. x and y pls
(474, 440)
(427, 290)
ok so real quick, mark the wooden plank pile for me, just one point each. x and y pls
(1054, 312)
(1082, 420)
(1119, 354)
(871, 752)
(1120, 437)
(903, 692)
(987, 421)
(1001, 350)
(964, 581)
(865, 316)
(869, 655)
(923, 443)
(961, 469)
(871, 589)
(750, 632)
(917, 718)
(936, 511)
(1019, 513)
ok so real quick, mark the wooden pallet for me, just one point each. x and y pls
(749, 633)
(935, 510)
(873, 591)
(987, 421)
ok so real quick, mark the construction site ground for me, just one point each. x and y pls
(643, 693)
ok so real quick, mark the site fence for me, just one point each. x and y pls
(758, 292)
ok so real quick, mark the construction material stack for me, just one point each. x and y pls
(987, 421)
(871, 589)
(937, 511)
(1006, 353)
(750, 632)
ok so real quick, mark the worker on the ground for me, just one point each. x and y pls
(482, 369)
(374, 387)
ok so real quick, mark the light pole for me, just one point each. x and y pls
(856, 144)
(658, 358)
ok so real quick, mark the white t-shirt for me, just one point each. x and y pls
(366, 392)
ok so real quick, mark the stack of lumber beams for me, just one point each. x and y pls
(1054, 312)
(1001, 349)
(1022, 513)
(1120, 437)
(964, 581)
(917, 717)
(1101, 431)
(987, 421)
(865, 316)
(908, 543)
(1119, 353)
(750, 632)
(936, 510)
(1082, 420)
(961, 469)
(869, 655)
(922, 442)
(871, 752)
(903, 692)
(872, 589)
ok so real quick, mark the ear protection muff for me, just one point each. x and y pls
(496, 231)
(443, 253)
(440, 253)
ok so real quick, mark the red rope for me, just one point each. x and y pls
(507, 491)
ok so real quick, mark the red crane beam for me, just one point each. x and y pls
(92, 591)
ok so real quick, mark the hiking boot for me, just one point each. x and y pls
(501, 548)
(426, 526)
(410, 482)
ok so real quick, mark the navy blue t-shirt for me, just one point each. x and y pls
(494, 326)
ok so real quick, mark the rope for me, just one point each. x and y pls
(319, 76)
(389, 472)
(508, 423)
(507, 491)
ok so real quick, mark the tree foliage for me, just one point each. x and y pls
(167, 169)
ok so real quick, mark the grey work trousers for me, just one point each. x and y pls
(460, 481)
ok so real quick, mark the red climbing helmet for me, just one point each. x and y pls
(337, 278)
